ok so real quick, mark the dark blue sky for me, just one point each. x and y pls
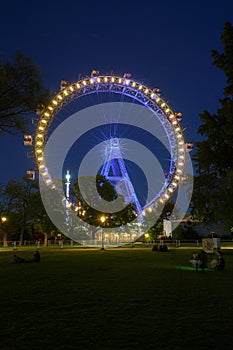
(162, 43)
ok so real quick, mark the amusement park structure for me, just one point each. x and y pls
(114, 168)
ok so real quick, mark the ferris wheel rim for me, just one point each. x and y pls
(127, 87)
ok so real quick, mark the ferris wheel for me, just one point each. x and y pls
(126, 86)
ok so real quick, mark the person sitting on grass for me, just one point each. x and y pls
(195, 261)
(155, 248)
(218, 263)
(203, 258)
(221, 262)
(36, 257)
(17, 259)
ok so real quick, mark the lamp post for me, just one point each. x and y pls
(67, 188)
(3, 221)
(102, 219)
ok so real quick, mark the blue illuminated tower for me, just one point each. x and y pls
(114, 170)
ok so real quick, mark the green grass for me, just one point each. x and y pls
(114, 299)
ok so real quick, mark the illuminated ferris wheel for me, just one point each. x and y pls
(124, 86)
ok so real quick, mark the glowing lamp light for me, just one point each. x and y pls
(3, 219)
(158, 99)
(84, 82)
(103, 219)
(71, 88)
(59, 97)
(67, 176)
(78, 86)
(105, 79)
(99, 80)
(54, 102)
(133, 84)
(50, 108)
(140, 87)
(47, 114)
(41, 128)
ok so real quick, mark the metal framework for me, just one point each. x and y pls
(127, 86)
(114, 170)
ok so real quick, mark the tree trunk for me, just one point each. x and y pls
(23, 227)
(45, 239)
(5, 243)
(21, 236)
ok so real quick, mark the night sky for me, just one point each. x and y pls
(162, 43)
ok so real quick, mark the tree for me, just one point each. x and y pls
(5, 211)
(157, 229)
(106, 191)
(213, 156)
(21, 92)
(39, 222)
(21, 203)
(20, 193)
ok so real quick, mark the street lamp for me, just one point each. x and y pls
(102, 219)
(3, 221)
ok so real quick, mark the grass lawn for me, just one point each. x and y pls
(114, 299)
